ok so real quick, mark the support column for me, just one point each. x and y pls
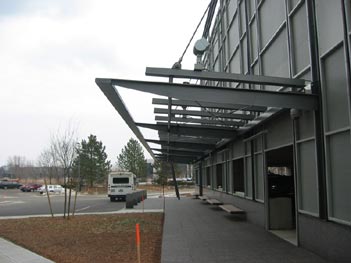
(294, 116)
(318, 113)
(175, 181)
(200, 179)
(347, 48)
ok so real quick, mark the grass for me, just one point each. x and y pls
(88, 238)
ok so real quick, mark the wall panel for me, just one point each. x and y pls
(300, 41)
(279, 132)
(253, 35)
(339, 176)
(275, 59)
(307, 177)
(329, 23)
(334, 84)
(272, 15)
(238, 149)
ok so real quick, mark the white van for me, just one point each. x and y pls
(119, 184)
(52, 188)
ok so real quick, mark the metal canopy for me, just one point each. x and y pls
(228, 77)
(194, 130)
(184, 138)
(169, 148)
(209, 105)
(184, 145)
(175, 159)
(201, 113)
(264, 98)
(195, 119)
(178, 156)
(117, 102)
(201, 121)
(179, 152)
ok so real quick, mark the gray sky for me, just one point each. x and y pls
(51, 51)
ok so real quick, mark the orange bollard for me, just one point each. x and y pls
(137, 231)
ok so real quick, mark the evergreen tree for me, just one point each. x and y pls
(132, 159)
(91, 162)
(164, 171)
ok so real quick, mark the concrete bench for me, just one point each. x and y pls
(195, 195)
(213, 201)
(203, 197)
(232, 209)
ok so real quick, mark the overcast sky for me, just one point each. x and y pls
(51, 51)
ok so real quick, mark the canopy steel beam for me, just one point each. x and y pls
(184, 145)
(206, 114)
(190, 157)
(176, 138)
(201, 121)
(202, 104)
(221, 94)
(223, 76)
(196, 126)
(113, 96)
(176, 159)
(191, 130)
(198, 151)
(199, 141)
(178, 152)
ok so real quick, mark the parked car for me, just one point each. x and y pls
(8, 185)
(52, 188)
(30, 187)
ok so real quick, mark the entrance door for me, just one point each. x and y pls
(281, 193)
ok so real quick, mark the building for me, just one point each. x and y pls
(268, 127)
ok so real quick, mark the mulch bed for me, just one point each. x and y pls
(88, 238)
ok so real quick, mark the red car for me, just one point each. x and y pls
(30, 187)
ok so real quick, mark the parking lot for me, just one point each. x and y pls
(14, 202)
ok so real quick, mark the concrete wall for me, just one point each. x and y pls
(328, 239)
(247, 39)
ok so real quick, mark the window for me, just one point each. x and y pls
(208, 176)
(238, 175)
(121, 180)
(219, 175)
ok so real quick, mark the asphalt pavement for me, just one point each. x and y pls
(13, 202)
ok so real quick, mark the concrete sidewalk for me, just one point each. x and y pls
(11, 253)
(197, 232)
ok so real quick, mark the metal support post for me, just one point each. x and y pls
(318, 112)
(200, 179)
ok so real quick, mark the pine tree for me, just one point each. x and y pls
(91, 161)
(132, 159)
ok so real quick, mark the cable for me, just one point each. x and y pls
(208, 23)
(178, 63)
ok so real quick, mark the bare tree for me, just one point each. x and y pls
(47, 161)
(16, 160)
(15, 165)
(63, 147)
